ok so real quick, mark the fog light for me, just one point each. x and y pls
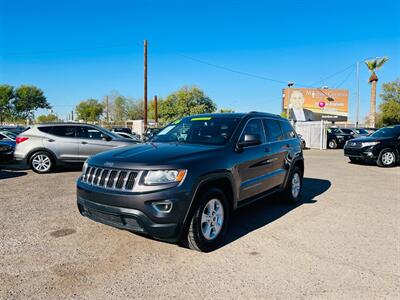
(369, 154)
(164, 206)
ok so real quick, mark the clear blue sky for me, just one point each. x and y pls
(76, 50)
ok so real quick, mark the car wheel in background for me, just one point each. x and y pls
(41, 162)
(293, 187)
(209, 222)
(387, 158)
(332, 144)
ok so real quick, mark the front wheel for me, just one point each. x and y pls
(332, 144)
(209, 222)
(41, 162)
(387, 158)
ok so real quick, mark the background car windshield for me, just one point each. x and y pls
(387, 132)
(362, 131)
(207, 130)
(334, 130)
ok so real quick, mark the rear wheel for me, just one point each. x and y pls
(387, 158)
(294, 185)
(332, 144)
(41, 162)
(209, 222)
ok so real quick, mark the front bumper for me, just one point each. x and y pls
(125, 218)
(365, 153)
(133, 211)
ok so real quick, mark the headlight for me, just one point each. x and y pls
(164, 176)
(368, 144)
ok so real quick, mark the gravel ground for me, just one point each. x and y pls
(341, 242)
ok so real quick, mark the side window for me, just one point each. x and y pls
(64, 131)
(90, 133)
(254, 127)
(46, 129)
(273, 129)
(288, 130)
(2, 137)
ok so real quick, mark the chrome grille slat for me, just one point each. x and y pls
(113, 179)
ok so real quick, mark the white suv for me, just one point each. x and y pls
(44, 146)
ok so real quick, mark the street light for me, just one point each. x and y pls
(290, 84)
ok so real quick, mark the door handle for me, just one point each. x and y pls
(286, 146)
(51, 140)
(83, 143)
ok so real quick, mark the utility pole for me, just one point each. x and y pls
(358, 93)
(145, 86)
(155, 110)
(72, 115)
(107, 109)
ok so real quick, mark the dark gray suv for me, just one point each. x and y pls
(46, 145)
(184, 184)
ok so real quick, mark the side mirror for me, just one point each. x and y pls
(106, 138)
(250, 140)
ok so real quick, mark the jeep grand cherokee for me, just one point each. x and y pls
(184, 184)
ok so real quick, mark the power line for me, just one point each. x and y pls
(346, 78)
(332, 75)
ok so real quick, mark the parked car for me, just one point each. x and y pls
(184, 185)
(44, 146)
(15, 129)
(150, 133)
(129, 136)
(355, 132)
(7, 148)
(7, 135)
(336, 138)
(383, 146)
(122, 129)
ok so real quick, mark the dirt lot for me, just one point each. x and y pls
(343, 241)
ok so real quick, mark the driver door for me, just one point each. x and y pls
(92, 141)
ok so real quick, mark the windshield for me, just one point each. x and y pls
(198, 130)
(387, 132)
(9, 134)
(334, 130)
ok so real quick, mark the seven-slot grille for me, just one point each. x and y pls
(109, 178)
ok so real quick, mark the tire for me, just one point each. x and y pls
(332, 144)
(387, 158)
(291, 194)
(41, 162)
(303, 145)
(206, 233)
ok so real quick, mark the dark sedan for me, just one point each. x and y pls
(383, 146)
(6, 150)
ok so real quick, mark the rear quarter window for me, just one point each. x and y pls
(287, 130)
(45, 129)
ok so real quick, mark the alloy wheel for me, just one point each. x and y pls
(296, 185)
(212, 219)
(41, 163)
(387, 158)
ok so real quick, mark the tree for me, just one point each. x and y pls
(374, 65)
(27, 99)
(47, 118)
(120, 108)
(89, 110)
(6, 96)
(135, 110)
(390, 106)
(184, 102)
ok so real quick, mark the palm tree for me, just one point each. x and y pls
(374, 65)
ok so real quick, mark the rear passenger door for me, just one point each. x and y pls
(277, 149)
(62, 141)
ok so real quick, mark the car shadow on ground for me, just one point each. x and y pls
(7, 171)
(266, 211)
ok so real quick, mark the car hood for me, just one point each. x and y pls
(370, 139)
(151, 154)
